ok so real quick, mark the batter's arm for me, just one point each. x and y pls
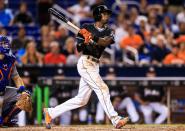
(105, 41)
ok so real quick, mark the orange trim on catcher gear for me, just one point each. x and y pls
(11, 70)
(2, 76)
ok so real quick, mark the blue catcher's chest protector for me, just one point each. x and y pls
(6, 66)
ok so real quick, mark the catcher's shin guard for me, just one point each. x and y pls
(10, 113)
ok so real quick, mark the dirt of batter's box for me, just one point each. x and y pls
(101, 128)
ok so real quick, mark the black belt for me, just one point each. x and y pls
(93, 59)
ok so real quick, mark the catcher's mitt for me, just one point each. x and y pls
(24, 102)
(86, 34)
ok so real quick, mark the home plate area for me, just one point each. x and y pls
(100, 128)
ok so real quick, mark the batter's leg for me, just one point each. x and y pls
(80, 100)
(92, 77)
(100, 114)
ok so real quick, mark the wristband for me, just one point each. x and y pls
(21, 89)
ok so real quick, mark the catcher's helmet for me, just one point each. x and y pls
(98, 10)
(4, 45)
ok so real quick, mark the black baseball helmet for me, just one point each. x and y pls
(98, 10)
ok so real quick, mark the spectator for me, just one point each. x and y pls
(32, 56)
(153, 19)
(182, 51)
(181, 30)
(45, 29)
(120, 31)
(143, 7)
(54, 56)
(52, 36)
(146, 51)
(133, 15)
(5, 15)
(69, 47)
(96, 3)
(44, 44)
(160, 51)
(169, 25)
(132, 39)
(151, 100)
(3, 31)
(155, 6)
(143, 29)
(181, 16)
(61, 35)
(181, 42)
(80, 11)
(70, 51)
(43, 6)
(121, 8)
(174, 58)
(23, 16)
(21, 41)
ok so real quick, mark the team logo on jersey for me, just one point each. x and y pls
(5, 67)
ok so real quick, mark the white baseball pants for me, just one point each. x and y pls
(126, 103)
(90, 81)
(156, 107)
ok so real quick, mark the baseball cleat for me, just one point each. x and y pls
(122, 122)
(47, 118)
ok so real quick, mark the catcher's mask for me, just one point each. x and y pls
(4, 45)
(99, 10)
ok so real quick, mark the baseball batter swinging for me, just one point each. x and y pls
(88, 68)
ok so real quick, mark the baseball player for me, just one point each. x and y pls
(88, 68)
(12, 100)
(151, 99)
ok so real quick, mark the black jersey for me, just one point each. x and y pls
(94, 49)
(152, 93)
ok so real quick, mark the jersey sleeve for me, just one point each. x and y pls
(80, 41)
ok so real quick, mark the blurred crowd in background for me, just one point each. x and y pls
(147, 32)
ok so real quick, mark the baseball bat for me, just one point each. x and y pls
(63, 19)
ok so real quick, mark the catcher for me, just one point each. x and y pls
(12, 100)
